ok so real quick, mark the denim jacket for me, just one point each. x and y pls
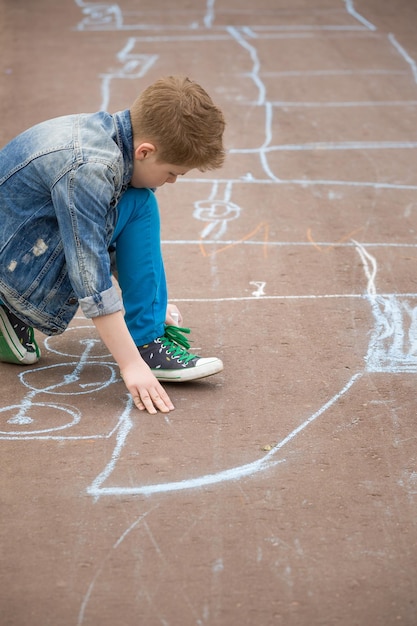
(60, 182)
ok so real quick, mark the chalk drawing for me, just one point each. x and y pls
(352, 11)
(109, 16)
(262, 227)
(20, 418)
(100, 16)
(332, 246)
(358, 103)
(98, 572)
(393, 343)
(405, 55)
(390, 311)
(219, 211)
(393, 340)
(245, 37)
(137, 62)
(216, 211)
(391, 356)
(260, 286)
(236, 473)
(24, 421)
(343, 145)
(134, 66)
(392, 346)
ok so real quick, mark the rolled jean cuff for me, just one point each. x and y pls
(103, 303)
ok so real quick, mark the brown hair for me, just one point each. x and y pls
(179, 117)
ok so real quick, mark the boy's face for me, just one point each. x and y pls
(149, 172)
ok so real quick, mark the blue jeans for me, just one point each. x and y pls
(140, 267)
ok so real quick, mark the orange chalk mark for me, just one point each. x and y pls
(332, 246)
(311, 240)
(261, 226)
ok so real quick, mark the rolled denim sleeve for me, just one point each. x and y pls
(103, 303)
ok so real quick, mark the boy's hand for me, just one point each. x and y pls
(147, 393)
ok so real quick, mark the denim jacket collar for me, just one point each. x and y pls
(125, 142)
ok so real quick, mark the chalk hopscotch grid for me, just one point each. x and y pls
(392, 314)
(110, 16)
(377, 351)
(136, 65)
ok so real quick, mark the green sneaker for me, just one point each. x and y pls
(17, 340)
(170, 361)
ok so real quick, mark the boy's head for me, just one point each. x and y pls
(178, 118)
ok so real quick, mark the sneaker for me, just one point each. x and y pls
(169, 359)
(17, 341)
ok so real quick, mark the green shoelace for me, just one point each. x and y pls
(174, 339)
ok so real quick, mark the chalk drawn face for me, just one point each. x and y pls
(149, 172)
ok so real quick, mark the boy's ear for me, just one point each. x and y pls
(144, 150)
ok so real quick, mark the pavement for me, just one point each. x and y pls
(282, 491)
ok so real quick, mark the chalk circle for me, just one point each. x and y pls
(208, 210)
(67, 344)
(28, 419)
(54, 380)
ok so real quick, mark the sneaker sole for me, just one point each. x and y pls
(11, 350)
(203, 368)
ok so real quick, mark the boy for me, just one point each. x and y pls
(76, 203)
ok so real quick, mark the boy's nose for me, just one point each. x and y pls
(171, 179)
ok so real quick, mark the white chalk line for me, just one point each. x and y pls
(344, 104)
(233, 474)
(92, 584)
(302, 182)
(352, 11)
(370, 268)
(219, 33)
(407, 58)
(125, 426)
(253, 53)
(210, 15)
(284, 244)
(335, 72)
(326, 296)
(393, 343)
(330, 145)
(22, 436)
(294, 28)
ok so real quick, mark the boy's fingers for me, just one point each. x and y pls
(162, 402)
(138, 403)
(150, 399)
(148, 404)
(161, 398)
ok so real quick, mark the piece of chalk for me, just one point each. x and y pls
(175, 317)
